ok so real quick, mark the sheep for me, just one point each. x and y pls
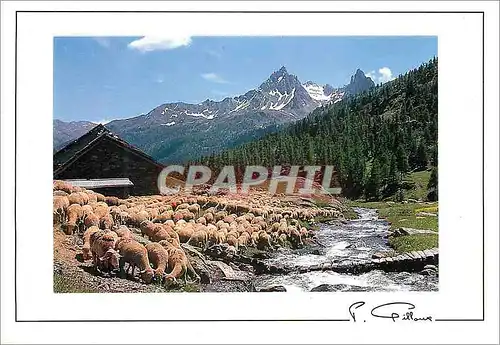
(112, 200)
(243, 240)
(264, 240)
(107, 222)
(232, 240)
(201, 220)
(136, 255)
(124, 232)
(159, 235)
(185, 233)
(85, 197)
(74, 213)
(178, 263)
(199, 238)
(61, 203)
(102, 245)
(149, 228)
(100, 209)
(92, 197)
(139, 217)
(209, 217)
(86, 241)
(60, 193)
(158, 257)
(63, 186)
(76, 198)
(90, 219)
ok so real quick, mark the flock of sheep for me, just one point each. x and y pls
(108, 224)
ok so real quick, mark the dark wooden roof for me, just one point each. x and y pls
(75, 149)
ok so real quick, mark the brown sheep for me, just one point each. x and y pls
(124, 232)
(178, 263)
(149, 228)
(74, 213)
(201, 220)
(90, 220)
(209, 217)
(76, 198)
(85, 197)
(86, 241)
(199, 238)
(232, 240)
(61, 203)
(100, 197)
(243, 240)
(112, 200)
(107, 222)
(185, 233)
(158, 258)
(63, 186)
(264, 241)
(100, 209)
(60, 193)
(136, 255)
(102, 245)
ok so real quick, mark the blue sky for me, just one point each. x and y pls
(103, 78)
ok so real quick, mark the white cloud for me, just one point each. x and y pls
(214, 77)
(151, 43)
(383, 75)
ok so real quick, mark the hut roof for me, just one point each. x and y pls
(75, 149)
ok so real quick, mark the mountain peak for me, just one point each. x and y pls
(359, 83)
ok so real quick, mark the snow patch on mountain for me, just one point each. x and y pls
(208, 117)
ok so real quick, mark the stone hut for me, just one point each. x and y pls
(101, 155)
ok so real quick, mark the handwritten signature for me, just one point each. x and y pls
(389, 311)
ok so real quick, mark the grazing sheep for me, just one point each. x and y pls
(136, 255)
(74, 213)
(112, 200)
(76, 198)
(264, 241)
(159, 235)
(61, 203)
(178, 263)
(86, 241)
(100, 209)
(149, 228)
(158, 258)
(199, 238)
(63, 186)
(90, 219)
(107, 222)
(124, 232)
(85, 197)
(102, 245)
(232, 240)
(185, 233)
(209, 217)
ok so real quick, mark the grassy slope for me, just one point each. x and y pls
(420, 179)
(405, 215)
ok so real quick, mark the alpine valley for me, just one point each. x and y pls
(179, 132)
